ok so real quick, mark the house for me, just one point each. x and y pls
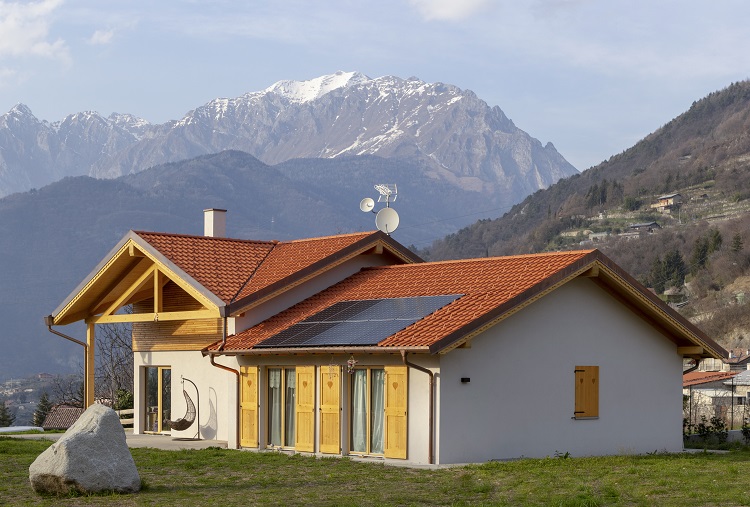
(351, 345)
(645, 227)
(61, 417)
(666, 203)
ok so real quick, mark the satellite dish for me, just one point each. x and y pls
(386, 220)
(366, 204)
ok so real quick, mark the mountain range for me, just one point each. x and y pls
(450, 133)
(704, 156)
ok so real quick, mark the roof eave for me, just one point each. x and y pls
(312, 350)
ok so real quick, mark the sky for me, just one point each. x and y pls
(591, 76)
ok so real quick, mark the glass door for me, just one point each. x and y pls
(158, 398)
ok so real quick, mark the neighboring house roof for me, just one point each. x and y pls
(230, 274)
(61, 417)
(669, 196)
(695, 378)
(741, 379)
(491, 289)
(646, 225)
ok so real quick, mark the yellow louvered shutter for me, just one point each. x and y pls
(249, 406)
(330, 409)
(396, 400)
(304, 440)
(586, 392)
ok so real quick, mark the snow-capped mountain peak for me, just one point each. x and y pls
(307, 91)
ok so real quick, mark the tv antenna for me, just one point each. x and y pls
(386, 220)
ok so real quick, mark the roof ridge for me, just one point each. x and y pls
(250, 277)
(196, 236)
(332, 236)
(485, 259)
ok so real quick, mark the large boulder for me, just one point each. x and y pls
(92, 456)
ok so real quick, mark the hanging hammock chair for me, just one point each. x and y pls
(187, 421)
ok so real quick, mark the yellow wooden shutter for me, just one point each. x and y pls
(586, 392)
(249, 406)
(396, 400)
(304, 439)
(330, 409)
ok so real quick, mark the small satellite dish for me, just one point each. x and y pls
(386, 220)
(366, 204)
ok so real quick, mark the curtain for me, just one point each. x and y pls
(289, 406)
(166, 394)
(274, 406)
(377, 411)
(359, 411)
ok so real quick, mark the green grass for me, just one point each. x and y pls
(217, 477)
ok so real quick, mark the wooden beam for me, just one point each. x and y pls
(690, 351)
(89, 367)
(592, 272)
(158, 299)
(155, 317)
(113, 291)
(134, 287)
(133, 251)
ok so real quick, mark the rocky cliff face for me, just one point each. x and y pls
(455, 135)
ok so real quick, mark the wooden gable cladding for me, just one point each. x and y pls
(189, 334)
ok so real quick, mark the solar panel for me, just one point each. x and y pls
(361, 322)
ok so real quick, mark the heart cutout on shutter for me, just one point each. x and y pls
(249, 383)
(330, 384)
(304, 383)
(395, 385)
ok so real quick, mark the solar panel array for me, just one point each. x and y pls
(363, 322)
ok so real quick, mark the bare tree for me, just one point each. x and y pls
(113, 377)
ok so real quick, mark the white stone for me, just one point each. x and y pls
(92, 456)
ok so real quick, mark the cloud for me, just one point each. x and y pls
(24, 30)
(101, 37)
(448, 10)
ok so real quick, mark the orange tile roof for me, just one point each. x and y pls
(695, 378)
(234, 269)
(221, 265)
(486, 283)
(294, 256)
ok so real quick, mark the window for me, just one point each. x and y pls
(377, 418)
(281, 406)
(367, 411)
(158, 397)
(586, 392)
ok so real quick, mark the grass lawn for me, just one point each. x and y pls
(217, 478)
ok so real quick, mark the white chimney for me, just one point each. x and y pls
(215, 223)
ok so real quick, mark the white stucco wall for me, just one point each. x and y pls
(417, 417)
(520, 400)
(217, 393)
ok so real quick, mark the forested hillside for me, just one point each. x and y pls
(698, 252)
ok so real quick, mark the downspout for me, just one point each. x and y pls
(237, 375)
(49, 320)
(431, 417)
(693, 368)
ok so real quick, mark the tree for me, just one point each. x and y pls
(114, 372)
(7, 418)
(42, 409)
(674, 268)
(656, 277)
(737, 243)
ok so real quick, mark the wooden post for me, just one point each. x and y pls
(89, 367)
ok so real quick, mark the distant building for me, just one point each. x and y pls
(61, 417)
(645, 227)
(666, 203)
